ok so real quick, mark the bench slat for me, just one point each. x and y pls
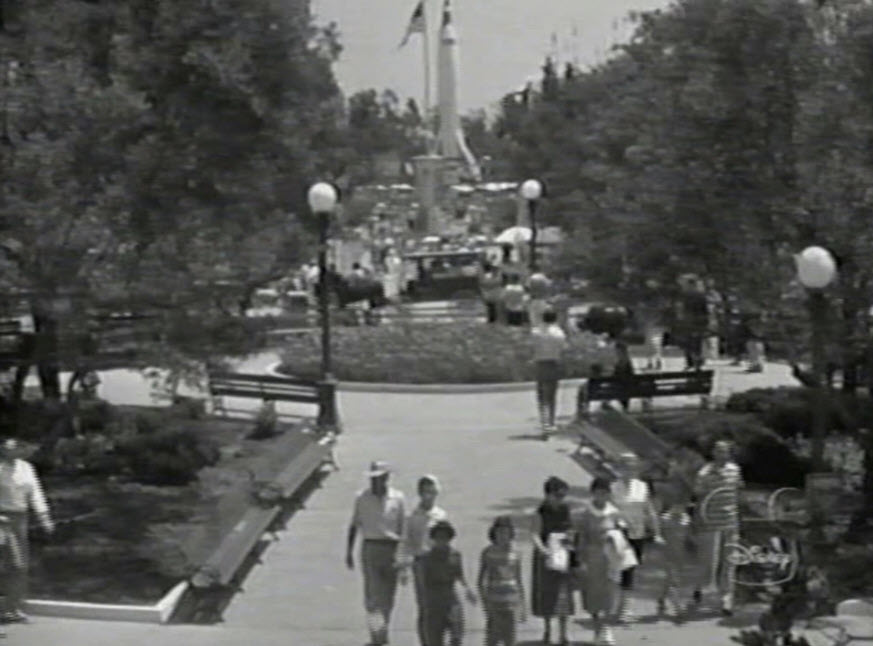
(235, 548)
(304, 465)
(241, 384)
(665, 384)
(260, 379)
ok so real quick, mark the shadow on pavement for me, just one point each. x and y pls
(527, 436)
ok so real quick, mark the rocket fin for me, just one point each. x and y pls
(472, 164)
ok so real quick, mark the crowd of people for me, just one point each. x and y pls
(590, 551)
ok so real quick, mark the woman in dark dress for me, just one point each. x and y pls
(552, 588)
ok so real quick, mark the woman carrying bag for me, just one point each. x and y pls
(553, 560)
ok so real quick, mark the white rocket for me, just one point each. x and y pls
(450, 139)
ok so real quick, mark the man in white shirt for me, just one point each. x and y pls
(416, 542)
(20, 492)
(380, 517)
(514, 300)
(549, 344)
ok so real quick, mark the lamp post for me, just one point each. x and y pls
(531, 191)
(322, 198)
(816, 269)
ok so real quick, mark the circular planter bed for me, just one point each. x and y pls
(436, 353)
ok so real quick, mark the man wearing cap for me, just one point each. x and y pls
(379, 516)
(20, 491)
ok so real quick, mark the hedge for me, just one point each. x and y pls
(431, 353)
(764, 456)
(789, 410)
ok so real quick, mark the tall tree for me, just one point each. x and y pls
(156, 150)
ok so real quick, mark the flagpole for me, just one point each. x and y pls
(425, 44)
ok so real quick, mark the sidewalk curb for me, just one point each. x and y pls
(159, 613)
(437, 389)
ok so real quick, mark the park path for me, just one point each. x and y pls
(483, 450)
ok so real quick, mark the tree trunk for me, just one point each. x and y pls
(47, 355)
(849, 357)
(862, 516)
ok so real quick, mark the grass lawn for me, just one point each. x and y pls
(130, 543)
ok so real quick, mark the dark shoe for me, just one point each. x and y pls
(14, 617)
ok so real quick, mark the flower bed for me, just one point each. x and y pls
(448, 353)
(123, 540)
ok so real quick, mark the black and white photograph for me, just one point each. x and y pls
(436, 322)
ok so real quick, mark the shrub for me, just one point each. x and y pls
(95, 416)
(166, 457)
(763, 455)
(266, 423)
(148, 422)
(421, 353)
(188, 407)
(85, 454)
(789, 411)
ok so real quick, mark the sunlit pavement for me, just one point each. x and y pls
(483, 449)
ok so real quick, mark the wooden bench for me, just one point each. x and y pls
(645, 386)
(222, 567)
(10, 342)
(264, 387)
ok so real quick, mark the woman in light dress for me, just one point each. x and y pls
(599, 589)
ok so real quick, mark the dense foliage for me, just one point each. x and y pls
(723, 138)
(155, 157)
(764, 456)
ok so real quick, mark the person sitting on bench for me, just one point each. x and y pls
(582, 399)
(623, 371)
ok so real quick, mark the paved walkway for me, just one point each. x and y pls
(480, 445)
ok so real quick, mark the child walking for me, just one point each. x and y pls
(441, 569)
(500, 585)
(676, 532)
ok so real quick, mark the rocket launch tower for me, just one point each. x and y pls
(450, 159)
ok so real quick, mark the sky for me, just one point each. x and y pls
(502, 42)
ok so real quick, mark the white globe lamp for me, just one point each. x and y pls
(322, 197)
(816, 267)
(531, 189)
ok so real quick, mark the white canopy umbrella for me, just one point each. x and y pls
(514, 235)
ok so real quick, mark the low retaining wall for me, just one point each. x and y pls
(159, 613)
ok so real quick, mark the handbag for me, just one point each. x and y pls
(558, 556)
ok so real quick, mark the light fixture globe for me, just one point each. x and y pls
(532, 189)
(816, 267)
(539, 285)
(322, 197)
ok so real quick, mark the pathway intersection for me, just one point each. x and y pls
(482, 447)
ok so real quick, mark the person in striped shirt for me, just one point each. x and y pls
(20, 493)
(717, 487)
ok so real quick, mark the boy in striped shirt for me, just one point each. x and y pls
(717, 487)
